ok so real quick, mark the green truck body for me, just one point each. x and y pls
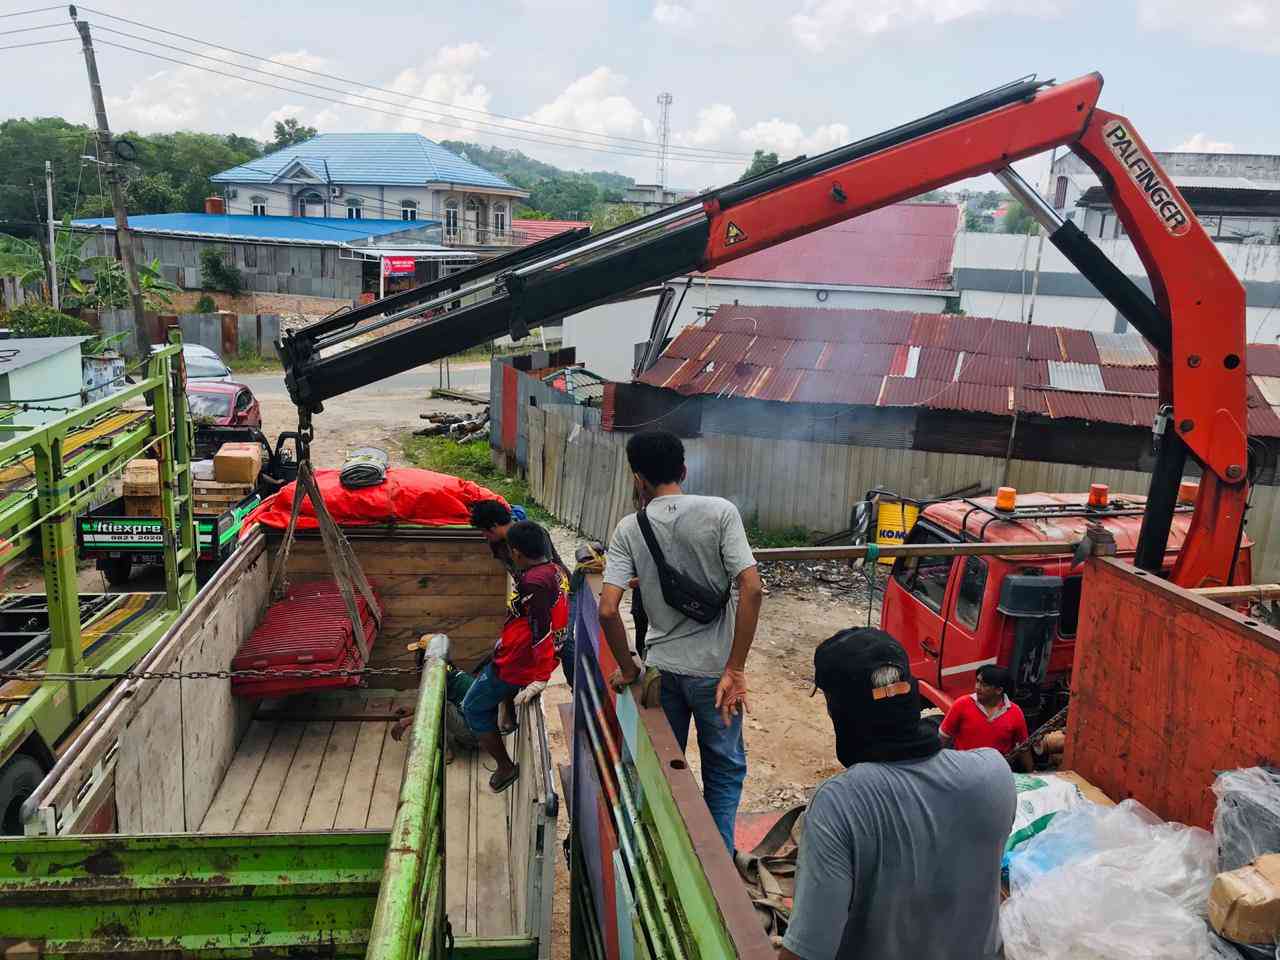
(70, 458)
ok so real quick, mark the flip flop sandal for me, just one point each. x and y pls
(497, 786)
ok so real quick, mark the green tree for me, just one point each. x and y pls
(217, 274)
(41, 320)
(974, 222)
(1017, 219)
(109, 288)
(288, 132)
(606, 216)
(153, 193)
(568, 198)
(24, 147)
(22, 257)
(528, 213)
(760, 162)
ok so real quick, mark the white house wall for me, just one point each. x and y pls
(50, 376)
(376, 202)
(992, 269)
(605, 337)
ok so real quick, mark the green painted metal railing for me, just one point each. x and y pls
(409, 919)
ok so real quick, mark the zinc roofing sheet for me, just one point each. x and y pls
(937, 363)
(1086, 377)
(1123, 350)
(863, 358)
(1263, 359)
(1262, 417)
(1077, 345)
(1130, 379)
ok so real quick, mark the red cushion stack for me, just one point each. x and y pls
(308, 630)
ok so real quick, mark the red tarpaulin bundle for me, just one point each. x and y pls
(409, 495)
(308, 630)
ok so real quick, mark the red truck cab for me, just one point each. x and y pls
(956, 614)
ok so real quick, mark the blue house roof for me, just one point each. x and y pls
(401, 159)
(325, 231)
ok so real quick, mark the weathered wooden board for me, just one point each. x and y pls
(357, 791)
(259, 806)
(300, 781)
(224, 812)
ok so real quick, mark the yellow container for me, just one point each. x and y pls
(894, 520)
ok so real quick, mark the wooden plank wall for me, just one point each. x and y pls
(451, 585)
(580, 474)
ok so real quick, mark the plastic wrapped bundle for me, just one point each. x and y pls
(1110, 883)
(365, 467)
(1246, 821)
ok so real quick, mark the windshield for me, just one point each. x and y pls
(202, 367)
(209, 404)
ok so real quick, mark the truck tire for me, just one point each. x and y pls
(117, 570)
(18, 780)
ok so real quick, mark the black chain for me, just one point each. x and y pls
(39, 676)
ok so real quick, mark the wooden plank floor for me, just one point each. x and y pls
(314, 774)
(478, 891)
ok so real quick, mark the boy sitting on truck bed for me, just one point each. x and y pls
(525, 654)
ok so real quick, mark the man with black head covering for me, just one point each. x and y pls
(900, 854)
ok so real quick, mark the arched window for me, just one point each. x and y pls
(408, 210)
(354, 209)
(258, 206)
(451, 219)
(310, 204)
(500, 219)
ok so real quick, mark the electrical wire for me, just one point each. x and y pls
(43, 26)
(25, 13)
(66, 396)
(439, 103)
(652, 154)
(678, 153)
(37, 43)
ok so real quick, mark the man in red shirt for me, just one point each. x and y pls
(537, 615)
(987, 718)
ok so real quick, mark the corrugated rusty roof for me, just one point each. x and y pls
(903, 246)
(893, 358)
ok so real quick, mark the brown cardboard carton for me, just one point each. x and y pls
(142, 506)
(142, 478)
(237, 463)
(1244, 904)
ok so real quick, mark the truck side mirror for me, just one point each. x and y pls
(1033, 603)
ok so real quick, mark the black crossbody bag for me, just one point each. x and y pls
(681, 592)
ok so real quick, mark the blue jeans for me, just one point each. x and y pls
(480, 705)
(724, 755)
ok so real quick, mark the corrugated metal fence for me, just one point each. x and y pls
(579, 473)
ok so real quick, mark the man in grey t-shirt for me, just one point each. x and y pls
(702, 665)
(900, 854)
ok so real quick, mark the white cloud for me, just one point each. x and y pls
(596, 103)
(673, 15)
(825, 23)
(450, 79)
(715, 123)
(789, 139)
(1247, 24)
(1200, 143)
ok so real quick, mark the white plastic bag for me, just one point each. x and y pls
(1041, 797)
(1110, 883)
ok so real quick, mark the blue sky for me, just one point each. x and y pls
(794, 77)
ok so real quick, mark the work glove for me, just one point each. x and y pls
(529, 692)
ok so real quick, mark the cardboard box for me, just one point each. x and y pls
(238, 463)
(1244, 904)
(142, 506)
(142, 478)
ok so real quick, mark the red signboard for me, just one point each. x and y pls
(397, 266)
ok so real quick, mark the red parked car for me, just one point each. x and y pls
(223, 404)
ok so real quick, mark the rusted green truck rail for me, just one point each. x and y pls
(650, 874)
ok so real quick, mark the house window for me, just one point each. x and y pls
(500, 219)
(451, 219)
(310, 204)
(251, 254)
(1060, 194)
(408, 210)
(258, 206)
(354, 211)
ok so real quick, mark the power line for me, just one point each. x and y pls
(25, 13)
(439, 103)
(37, 43)
(458, 123)
(43, 26)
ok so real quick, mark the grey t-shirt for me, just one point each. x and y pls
(900, 861)
(703, 538)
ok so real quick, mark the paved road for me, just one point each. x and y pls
(470, 376)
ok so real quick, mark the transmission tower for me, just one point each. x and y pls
(664, 137)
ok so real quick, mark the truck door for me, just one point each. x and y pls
(970, 642)
(913, 603)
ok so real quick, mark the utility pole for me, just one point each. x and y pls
(107, 155)
(53, 241)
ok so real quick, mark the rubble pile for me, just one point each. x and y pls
(829, 579)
